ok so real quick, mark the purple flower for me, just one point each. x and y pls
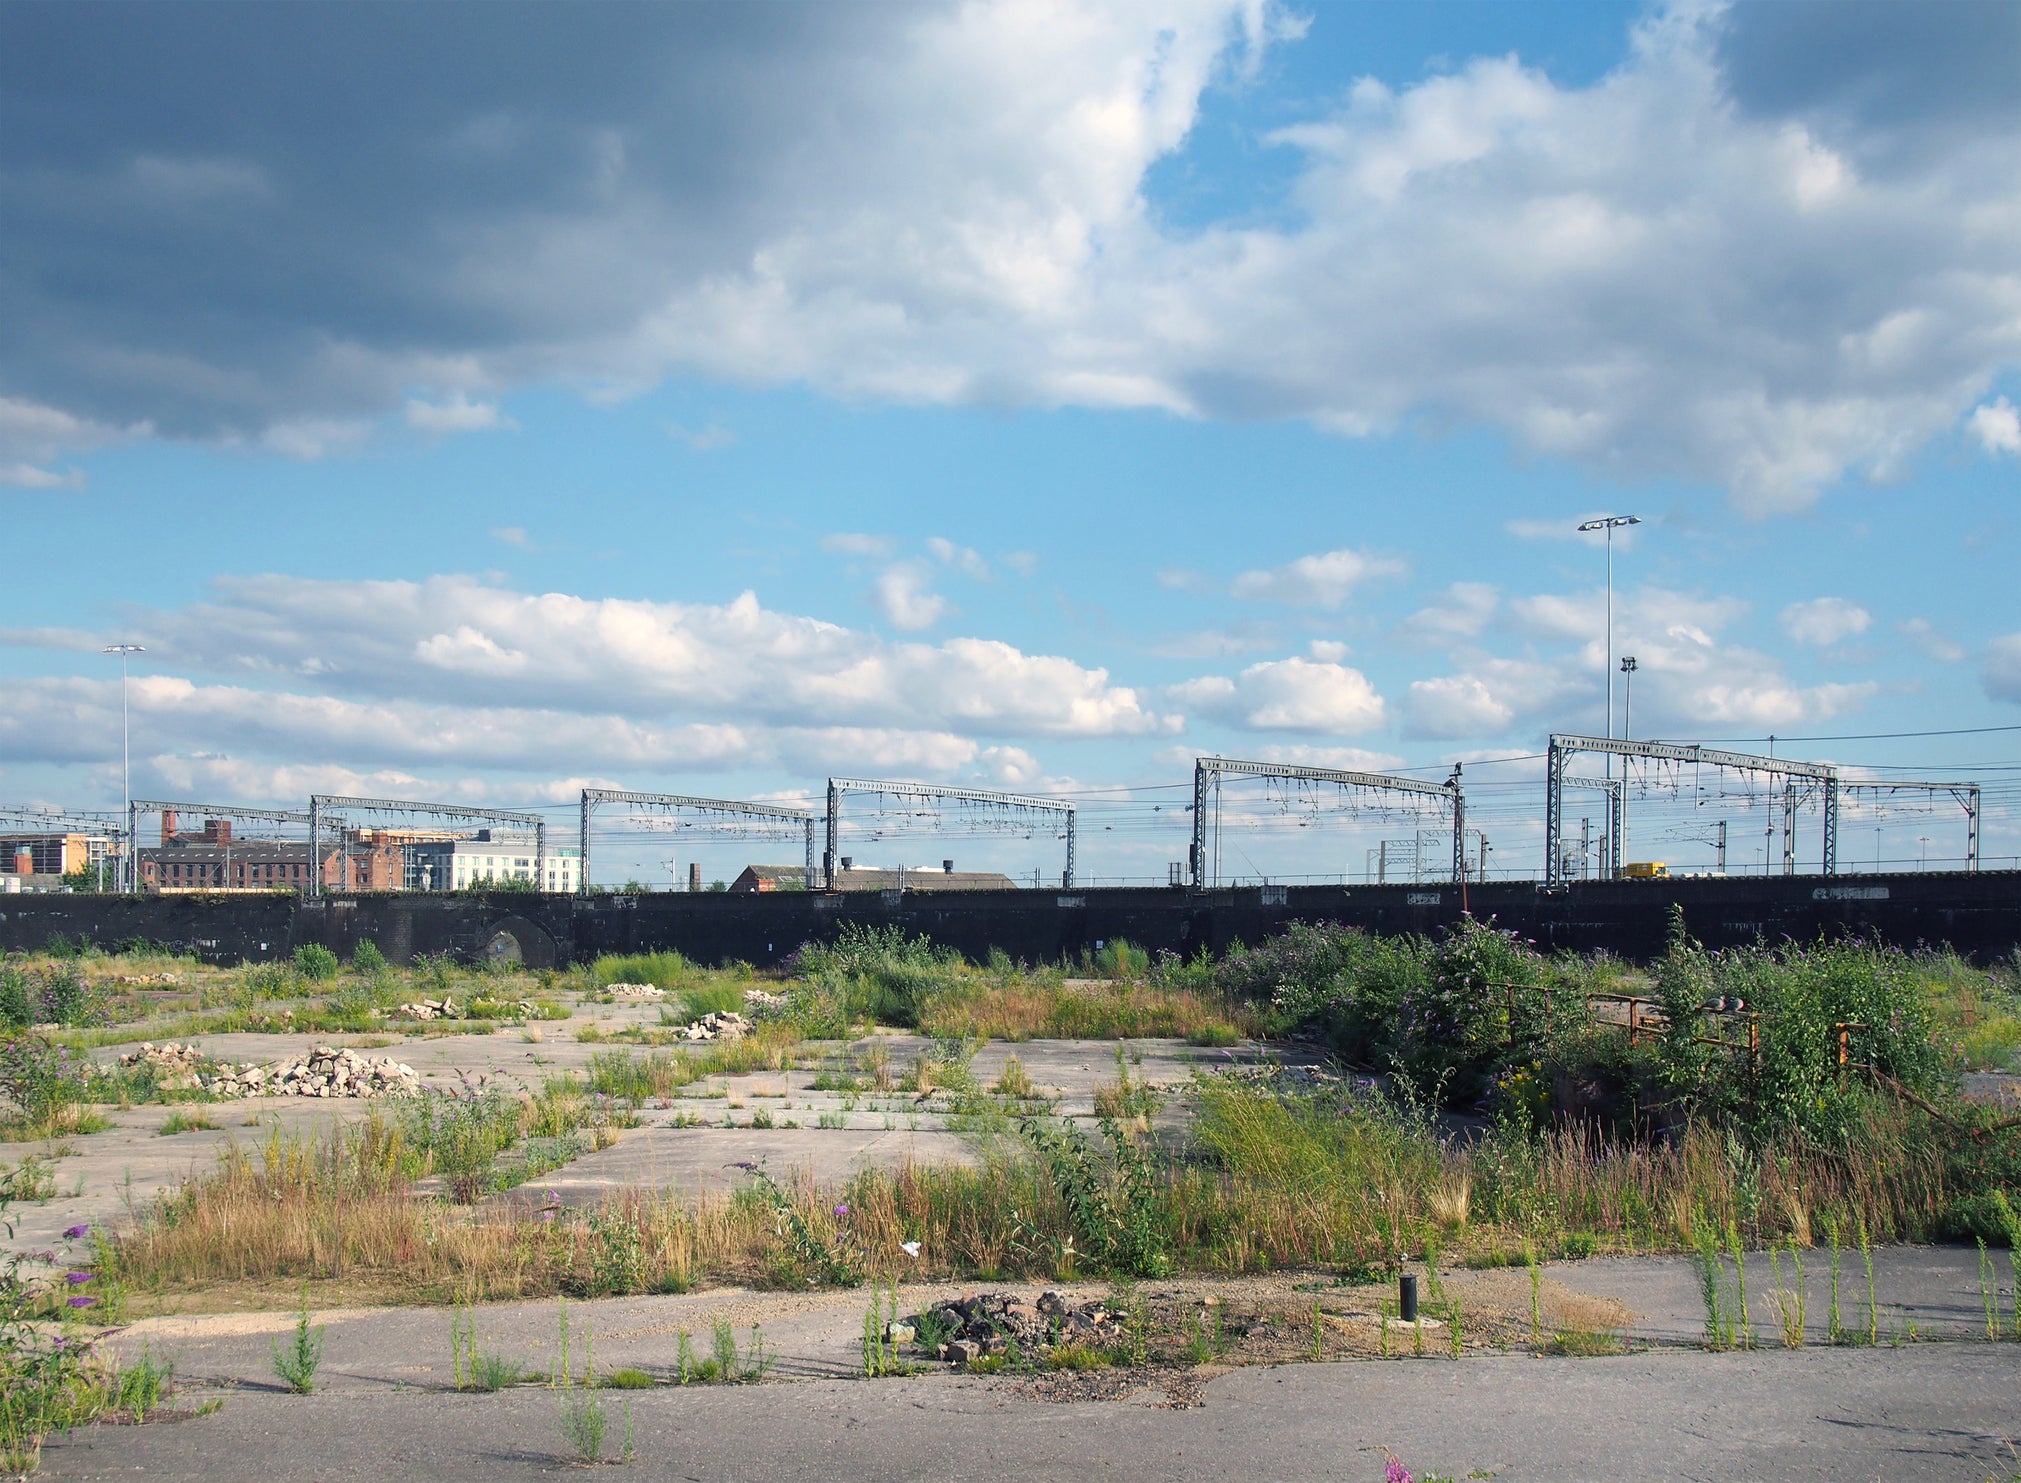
(75, 1231)
(841, 1212)
(77, 1279)
(547, 1215)
(80, 1301)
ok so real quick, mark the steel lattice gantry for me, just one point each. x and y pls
(1615, 789)
(140, 806)
(1967, 794)
(320, 802)
(930, 792)
(1447, 793)
(591, 797)
(1798, 779)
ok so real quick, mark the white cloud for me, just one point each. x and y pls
(1454, 705)
(456, 415)
(902, 596)
(1324, 580)
(963, 559)
(1341, 759)
(1997, 426)
(1330, 650)
(1180, 579)
(960, 208)
(454, 640)
(1024, 563)
(1462, 611)
(856, 543)
(1287, 695)
(1934, 645)
(512, 535)
(1824, 621)
(2002, 669)
(1215, 643)
(28, 476)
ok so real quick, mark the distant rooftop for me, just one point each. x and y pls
(865, 878)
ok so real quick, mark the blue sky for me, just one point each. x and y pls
(471, 403)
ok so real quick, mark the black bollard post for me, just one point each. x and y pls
(1407, 1298)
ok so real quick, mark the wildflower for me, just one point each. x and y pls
(75, 1231)
(842, 1212)
(77, 1279)
(80, 1301)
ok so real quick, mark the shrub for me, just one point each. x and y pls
(38, 1080)
(61, 997)
(315, 962)
(1485, 1006)
(367, 958)
(663, 970)
(16, 997)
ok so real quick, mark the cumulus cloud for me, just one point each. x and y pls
(1933, 645)
(1997, 426)
(1325, 580)
(512, 535)
(953, 203)
(1287, 695)
(1824, 621)
(456, 640)
(1461, 612)
(905, 600)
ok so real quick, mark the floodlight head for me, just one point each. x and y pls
(123, 649)
(1609, 522)
(1628, 665)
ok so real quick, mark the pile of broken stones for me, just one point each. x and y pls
(725, 1024)
(636, 991)
(994, 1323)
(322, 1072)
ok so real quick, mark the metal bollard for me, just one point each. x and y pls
(1407, 1298)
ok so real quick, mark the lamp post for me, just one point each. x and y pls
(1610, 524)
(126, 753)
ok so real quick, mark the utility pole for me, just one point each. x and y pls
(1627, 734)
(126, 754)
(1722, 847)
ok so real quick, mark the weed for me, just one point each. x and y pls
(880, 1353)
(1711, 1285)
(1206, 1340)
(627, 1379)
(1873, 1307)
(141, 1387)
(1790, 1305)
(1318, 1332)
(581, 1422)
(296, 1365)
(315, 962)
(1835, 1332)
(184, 1121)
(1743, 1318)
(1077, 1357)
(1013, 1081)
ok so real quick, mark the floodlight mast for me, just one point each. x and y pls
(319, 802)
(838, 788)
(591, 797)
(1447, 793)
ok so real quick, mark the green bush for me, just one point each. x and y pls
(1485, 1006)
(367, 958)
(315, 962)
(16, 998)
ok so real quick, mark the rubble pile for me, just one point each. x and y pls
(992, 1322)
(176, 1067)
(326, 1072)
(636, 991)
(148, 980)
(444, 1008)
(762, 1004)
(724, 1024)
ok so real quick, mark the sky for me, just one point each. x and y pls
(475, 403)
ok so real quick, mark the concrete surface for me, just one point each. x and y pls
(1932, 1412)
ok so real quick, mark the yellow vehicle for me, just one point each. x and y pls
(1644, 870)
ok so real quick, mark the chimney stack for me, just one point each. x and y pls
(947, 867)
(694, 876)
(168, 826)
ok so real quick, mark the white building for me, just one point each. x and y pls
(492, 855)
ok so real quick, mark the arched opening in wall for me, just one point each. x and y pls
(516, 942)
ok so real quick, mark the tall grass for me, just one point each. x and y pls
(1039, 1008)
(668, 970)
